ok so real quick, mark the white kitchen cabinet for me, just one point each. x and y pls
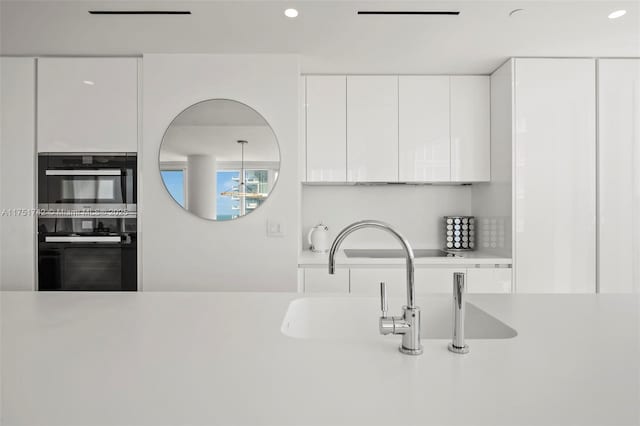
(326, 128)
(372, 128)
(366, 281)
(435, 280)
(555, 176)
(488, 280)
(17, 174)
(424, 140)
(470, 129)
(619, 175)
(318, 280)
(87, 105)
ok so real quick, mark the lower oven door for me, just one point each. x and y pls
(87, 267)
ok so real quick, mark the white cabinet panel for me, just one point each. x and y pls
(17, 173)
(488, 280)
(470, 129)
(435, 280)
(619, 175)
(318, 280)
(326, 124)
(372, 128)
(424, 128)
(555, 175)
(366, 281)
(87, 105)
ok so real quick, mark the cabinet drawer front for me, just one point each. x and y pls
(318, 280)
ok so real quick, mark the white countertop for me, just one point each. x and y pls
(309, 259)
(220, 359)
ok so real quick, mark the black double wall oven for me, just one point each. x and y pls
(87, 227)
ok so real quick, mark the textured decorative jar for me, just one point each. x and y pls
(460, 233)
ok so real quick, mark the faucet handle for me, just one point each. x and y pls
(383, 299)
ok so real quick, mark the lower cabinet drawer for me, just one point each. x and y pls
(435, 280)
(318, 280)
(366, 281)
(489, 280)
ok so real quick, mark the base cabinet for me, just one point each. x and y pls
(318, 280)
(366, 281)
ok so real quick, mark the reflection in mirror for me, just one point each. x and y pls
(219, 159)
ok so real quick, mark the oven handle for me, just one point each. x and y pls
(82, 239)
(81, 172)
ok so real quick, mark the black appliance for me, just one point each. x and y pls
(95, 182)
(87, 254)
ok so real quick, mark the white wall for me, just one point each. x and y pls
(183, 252)
(491, 202)
(416, 211)
(17, 173)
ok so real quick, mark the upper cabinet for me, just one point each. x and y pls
(470, 129)
(372, 128)
(397, 128)
(424, 129)
(326, 133)
(87, 105)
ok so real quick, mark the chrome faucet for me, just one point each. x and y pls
(457, 344)
(407, 325)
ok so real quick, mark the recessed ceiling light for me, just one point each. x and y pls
(291, 13)
(89, 82)
(617, 13)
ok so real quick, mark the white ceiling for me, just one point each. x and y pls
(328, 35)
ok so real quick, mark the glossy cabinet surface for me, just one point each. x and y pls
(470, 129)
(424, 143)
(555, 176)
(489, 280)
(17, 174)
(372, 128)
(87, 105)
(619, 175)
(326, 128)
(318, 280)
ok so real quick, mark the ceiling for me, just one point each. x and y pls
(328, 35)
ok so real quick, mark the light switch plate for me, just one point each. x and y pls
(275, 228)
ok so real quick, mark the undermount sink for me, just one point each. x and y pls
(356, 318)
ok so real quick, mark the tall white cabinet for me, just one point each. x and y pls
(87, 104)
(470, 129)
(326, 128)
(424, 131)
(372, 128)
(17, 173)
(619, 175)
(555, 175)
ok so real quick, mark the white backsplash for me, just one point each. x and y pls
(415, 210)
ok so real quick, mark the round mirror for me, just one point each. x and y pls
(219, 159)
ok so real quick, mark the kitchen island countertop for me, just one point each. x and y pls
(220, 359)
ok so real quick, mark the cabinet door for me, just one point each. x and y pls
(87, 105)
(424, 128)
(372, 128)
(435, 280)
(470, 129)
(366, 281)
(619, 175)
(17, 173)
(555, 176)
(488, 280)
(326, 123)
(318, 280)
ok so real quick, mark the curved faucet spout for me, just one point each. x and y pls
(386, 227)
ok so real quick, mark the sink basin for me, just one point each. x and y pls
(356, 318)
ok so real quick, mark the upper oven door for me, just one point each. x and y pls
(86, 181)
